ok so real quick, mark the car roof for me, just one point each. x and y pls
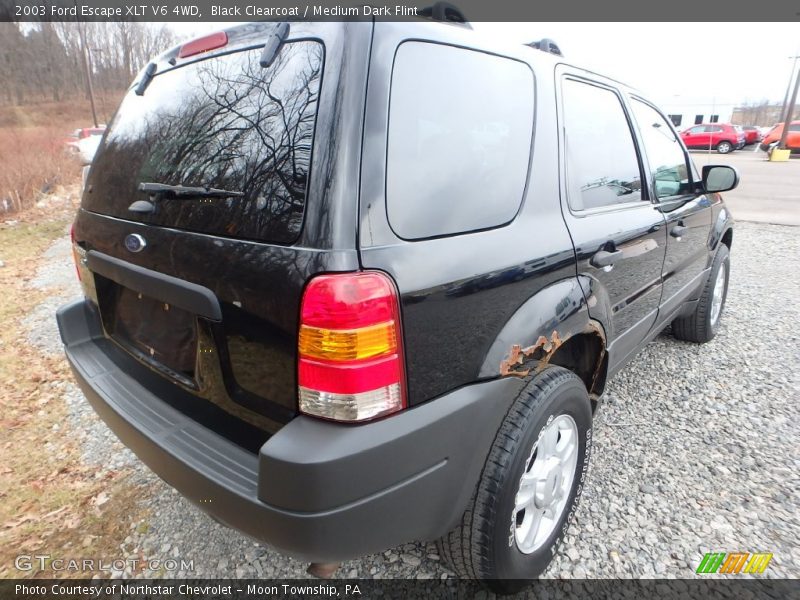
(248, 33)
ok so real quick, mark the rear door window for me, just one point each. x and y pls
(602, 163)
(460, 129)
(223, 123)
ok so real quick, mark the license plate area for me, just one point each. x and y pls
(156, 332)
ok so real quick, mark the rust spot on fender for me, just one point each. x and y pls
(541, 352)
(594, 327)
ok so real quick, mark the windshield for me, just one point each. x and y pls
(223, 123)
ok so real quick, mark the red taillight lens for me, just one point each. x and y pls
(75, 256)
(350, 365)
(203, 44)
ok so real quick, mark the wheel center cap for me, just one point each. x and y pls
(547, 487)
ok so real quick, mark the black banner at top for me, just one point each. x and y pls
(345, 10)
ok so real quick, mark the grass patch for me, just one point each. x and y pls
(69, 114)
(50, 501)
(34, 160)
(33, 153)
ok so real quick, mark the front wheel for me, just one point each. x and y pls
(702, 324)
(529, 488)
(724, 147)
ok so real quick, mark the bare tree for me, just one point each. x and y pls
(43, 61)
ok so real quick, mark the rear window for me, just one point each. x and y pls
(224, 123)
(460, 127)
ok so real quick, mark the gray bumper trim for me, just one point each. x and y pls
(317, 490)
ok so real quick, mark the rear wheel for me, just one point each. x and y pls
(724, 147)
(703, 323)
(529, 488)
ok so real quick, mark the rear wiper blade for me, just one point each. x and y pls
(159, 191)
(177, 191)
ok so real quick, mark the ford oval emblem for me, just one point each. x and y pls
(134, 242)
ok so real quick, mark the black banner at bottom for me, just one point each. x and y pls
(261, 589)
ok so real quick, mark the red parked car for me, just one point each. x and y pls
(721, 137)
(73, 138)
(752, 134)
(773, 136)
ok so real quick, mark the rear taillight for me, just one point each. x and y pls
(203, 44)
(350, 359)
(75, 255)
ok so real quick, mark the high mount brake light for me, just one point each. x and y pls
(203, 44)
(350, 355)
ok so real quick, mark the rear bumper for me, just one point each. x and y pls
(317, 490)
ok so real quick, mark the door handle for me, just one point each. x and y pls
(678, 231)
(604, 258)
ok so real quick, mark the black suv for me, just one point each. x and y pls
(350, 285)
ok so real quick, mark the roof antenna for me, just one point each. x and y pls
(446, 12)
(546, 45)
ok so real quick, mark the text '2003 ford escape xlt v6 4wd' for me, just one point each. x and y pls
(349, 285)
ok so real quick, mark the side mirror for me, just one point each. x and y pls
(719, 178)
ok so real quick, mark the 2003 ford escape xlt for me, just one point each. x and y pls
(349, 285)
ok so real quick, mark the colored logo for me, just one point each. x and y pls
(732, 563)
(134, 242)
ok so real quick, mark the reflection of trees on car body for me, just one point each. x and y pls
(234, 126)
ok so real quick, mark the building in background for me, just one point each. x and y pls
(686, 111)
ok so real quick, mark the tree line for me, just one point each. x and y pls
(763, 113)
(45, 61)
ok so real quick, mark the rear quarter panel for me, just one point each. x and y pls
(459, 292)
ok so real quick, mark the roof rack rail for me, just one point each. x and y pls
(444, 11)
(546, 45)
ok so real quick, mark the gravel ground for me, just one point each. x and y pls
(695, 448)
(56, 274)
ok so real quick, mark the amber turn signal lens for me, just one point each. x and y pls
(348, 344)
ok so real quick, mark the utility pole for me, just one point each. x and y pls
(789, 87)
(88, 68)
(787, 119)
(102, 96)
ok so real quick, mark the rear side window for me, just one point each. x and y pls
(602, 164)
(460, 127)
(225, 123)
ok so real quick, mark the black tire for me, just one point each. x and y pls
(483, 546)
(698, 326)
(724, 147)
